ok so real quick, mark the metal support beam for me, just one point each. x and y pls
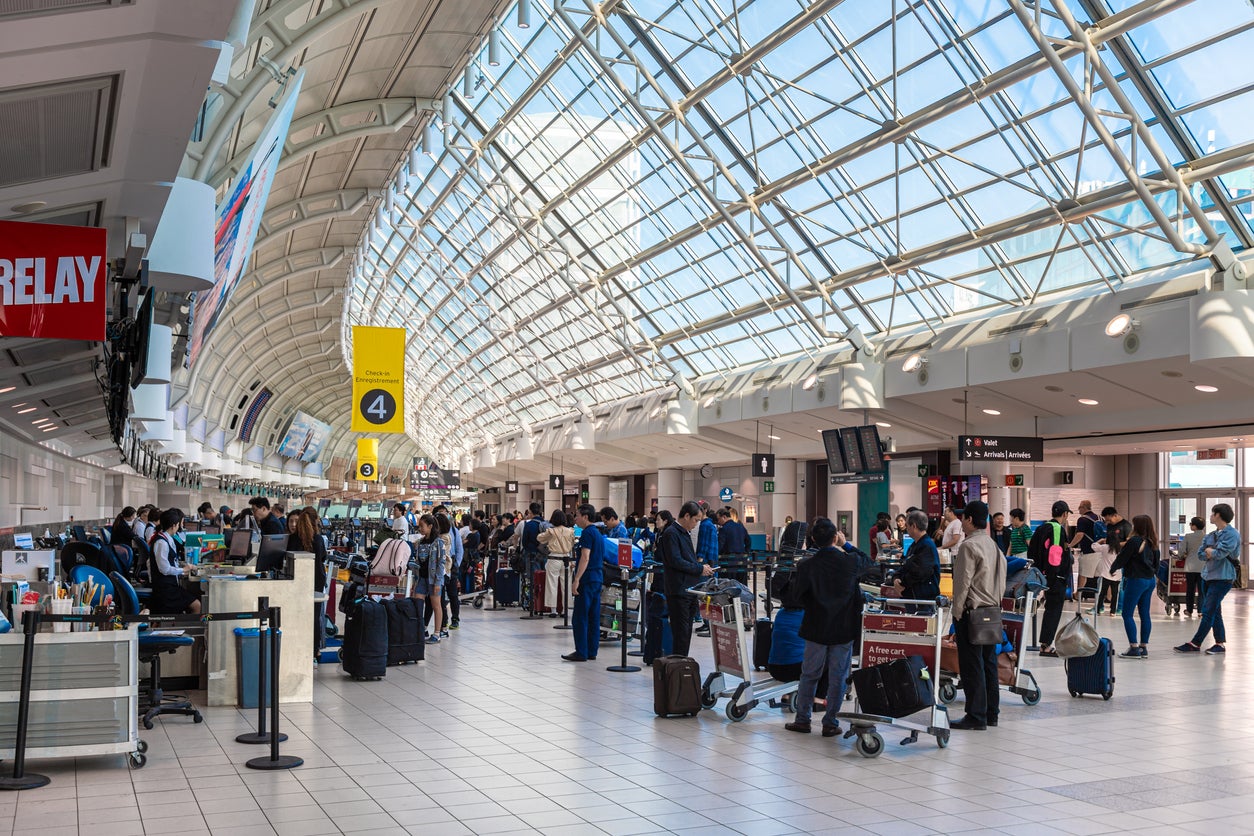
(310, 209)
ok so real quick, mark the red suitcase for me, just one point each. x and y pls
(537, 594)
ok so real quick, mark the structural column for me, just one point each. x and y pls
(843, 498)
(599, 491)
(552, 500)
(784, 500)
(670, 490)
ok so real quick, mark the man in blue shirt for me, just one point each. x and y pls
(707, 553)
(1222, 552)
(614, 528)
(586, 614)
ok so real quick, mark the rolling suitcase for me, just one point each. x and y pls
(894, 689)
(761, 643)
(365, 651)
(1093, 674)
(538, 580)
(404, 616)
(506, 588)
(676, 686)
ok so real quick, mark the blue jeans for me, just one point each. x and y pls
(1137, 594)
(836, 658)
(1213, 593)
(586, 619)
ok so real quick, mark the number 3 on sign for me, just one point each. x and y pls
(377, 406)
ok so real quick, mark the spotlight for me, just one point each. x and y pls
(494, 49)
(913, 363)
(1119, 325)
(809, 382)
(524, 14)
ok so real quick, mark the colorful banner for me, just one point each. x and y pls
(52, 281)
(368, 459)
(305, 437)
(239, 218)
(378, 380)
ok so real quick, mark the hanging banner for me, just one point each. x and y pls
(368, 459)
(378, 380)
(52, 281)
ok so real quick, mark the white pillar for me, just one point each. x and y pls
(844, 498)
(670, 490)
(784, 500)
(599, 491)
(552, 500)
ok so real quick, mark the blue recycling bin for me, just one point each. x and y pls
(246, 650)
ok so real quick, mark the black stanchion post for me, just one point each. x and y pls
(275, 761)
(622, 666)
(20, 779)
(565, 596)
(263, 628)
(1031, 604)
(770, 567)
(644, 610)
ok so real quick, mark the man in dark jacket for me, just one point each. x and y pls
(827, 586)
(1047, 535)
(681, 569)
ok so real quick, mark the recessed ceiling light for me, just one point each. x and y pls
(883, 424)
(1088, 401)
(49, 427)
(1206, 387)
(991, 411)
(1052, 388)
(773, 437)
(26, 410)
(41, 421)
(1182, 445)
(19, 405)
(1242, 438)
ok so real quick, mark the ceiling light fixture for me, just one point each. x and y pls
(773, 437)
(1120, 325)
(913, 363)
(709, 402)
(809, 382)
(1087, 401)
(991, 411)
(49, 427)
(41, 421)
(524, 14)
(494, 49)
(26, 410)
(7, 389)
(1206, 387)
(883, 424)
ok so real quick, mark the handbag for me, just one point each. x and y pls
(1077, 639)
(984, 625)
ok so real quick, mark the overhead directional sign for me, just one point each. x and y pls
(368, 459)
(556, 481)
(973, 448)
(763, 465)
(378, 380)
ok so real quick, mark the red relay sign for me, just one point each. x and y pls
(52, 281)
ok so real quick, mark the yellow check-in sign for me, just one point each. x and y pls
(368, 459)
(378, 379)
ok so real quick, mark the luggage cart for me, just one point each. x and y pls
(1172, 589)
(888, 634)
(728, 616)
(480, 593)
(1015, 622)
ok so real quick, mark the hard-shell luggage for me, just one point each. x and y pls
(538, 581)
(761, 643)
(676, 686)
(405, 644)
(894, 689)
(506, 588)
(365, 651)
(1093, 674)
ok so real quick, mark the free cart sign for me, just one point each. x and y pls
(52, 281)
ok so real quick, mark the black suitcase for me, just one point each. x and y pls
(1093, 674)
(676, 686)
(365, 651)
(405, 643)
(506, 588)
(894, 689)
(761, 643)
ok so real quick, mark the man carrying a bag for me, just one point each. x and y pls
(979, 580)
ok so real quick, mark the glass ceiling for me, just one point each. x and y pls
(691, 188)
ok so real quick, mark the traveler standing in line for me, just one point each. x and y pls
(1189, 549)
(430, 553)
(1000, 533)
(979, 580)
(733, 539)
(953, 536)
(705, 542)
(586, 618)
(452, 568)
(1020, 532)
(919, 577)
(681, 570)
(900, 534)
(399, 524)
(614, 528)
(304, 537)
(1052, 535)
(1085, 537)
(1138, 560)
(826, 585)
(1221, 549)
(559, 539)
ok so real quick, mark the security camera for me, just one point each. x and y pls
(1079, 452)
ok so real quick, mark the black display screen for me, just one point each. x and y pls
(835, 457)
(849, 443)
(872, 455)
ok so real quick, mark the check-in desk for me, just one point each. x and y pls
(295, 597)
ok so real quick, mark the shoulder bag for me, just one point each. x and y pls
(984, 625)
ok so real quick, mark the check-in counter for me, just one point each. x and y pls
(295, 597)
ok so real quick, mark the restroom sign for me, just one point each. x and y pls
(763, 465)
(557, 481)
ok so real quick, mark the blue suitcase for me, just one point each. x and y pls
(1093, 674)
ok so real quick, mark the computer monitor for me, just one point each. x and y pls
(80, 533)
(356, 522)
(273, 553)
(24, 540)
(241, 542)
(211, 529)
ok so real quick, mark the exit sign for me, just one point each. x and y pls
(1014, 480)
(768, 487)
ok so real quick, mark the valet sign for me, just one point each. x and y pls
(52, 281)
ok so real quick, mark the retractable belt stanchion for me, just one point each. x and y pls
(622, 666)
(642, 623)
(565, 595)
(263, 632)
(275, 761)
(20, 779)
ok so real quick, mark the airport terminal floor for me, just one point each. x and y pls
(494, 733)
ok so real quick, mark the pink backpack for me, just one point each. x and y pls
(392, 558)
(1055, 548)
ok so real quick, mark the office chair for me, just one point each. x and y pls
(82, 573)
(153, 700)
(76, 553)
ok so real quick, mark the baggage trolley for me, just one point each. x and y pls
(727, 615)
(477, 596)
(1172, 588)
(1014, 622)
(889, 634)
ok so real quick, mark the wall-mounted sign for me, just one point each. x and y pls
(768, 487)
(1067, 477)
(972, 448)
(725, 495)
(1205, 455)
(763, 465)
(511, 487)
(1014, 480)
(925, 471)
(52, 281)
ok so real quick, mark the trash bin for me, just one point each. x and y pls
(246, 659)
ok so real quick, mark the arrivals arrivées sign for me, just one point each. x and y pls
(52, 281)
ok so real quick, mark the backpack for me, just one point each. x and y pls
(1055, 547)
(392, 558)
(1099, 529)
